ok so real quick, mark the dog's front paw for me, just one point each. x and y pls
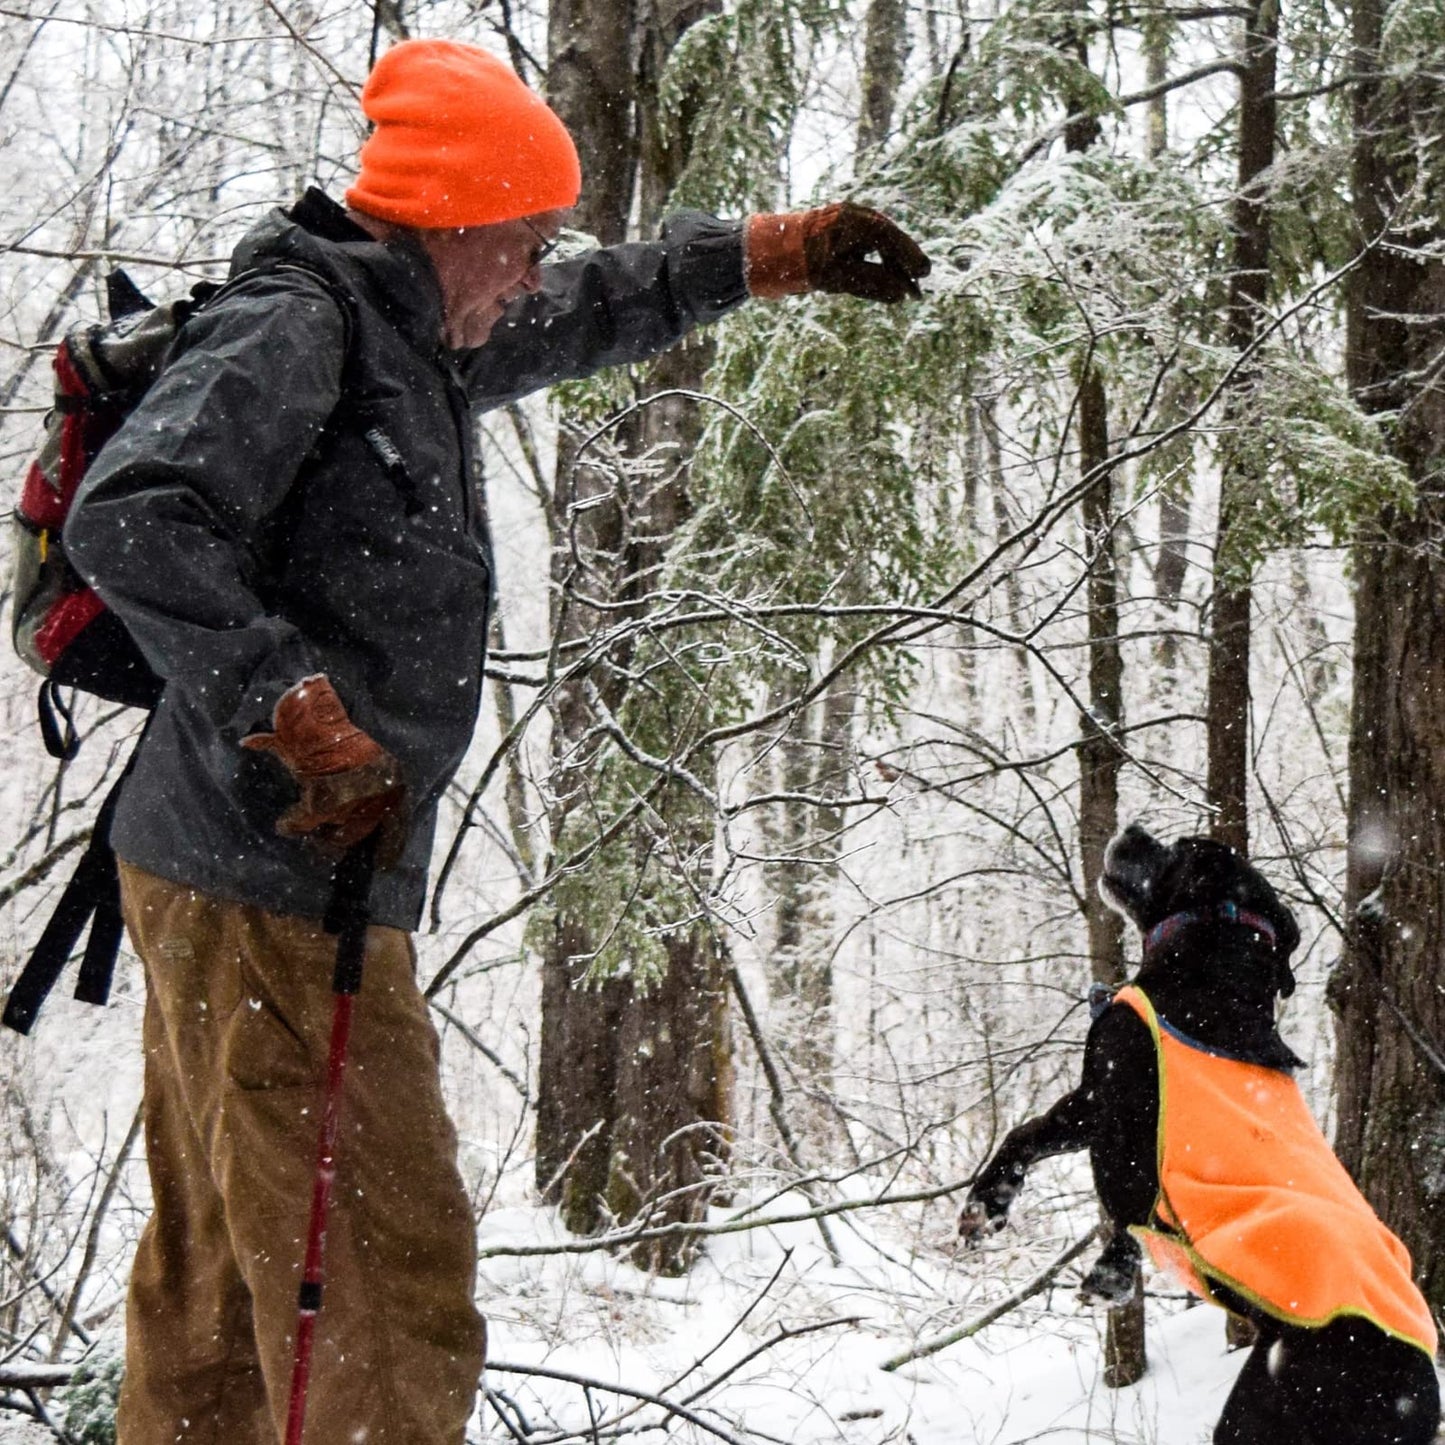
(1111, 1282)
(977, 1220)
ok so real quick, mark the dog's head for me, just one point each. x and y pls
(1151, 883)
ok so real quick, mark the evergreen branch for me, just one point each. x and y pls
(1047, 516)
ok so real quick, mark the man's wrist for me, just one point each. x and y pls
(774, 261)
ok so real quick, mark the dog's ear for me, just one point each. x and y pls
(1286, 941)
(1133, 864)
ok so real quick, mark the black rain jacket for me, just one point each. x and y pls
(299, 493)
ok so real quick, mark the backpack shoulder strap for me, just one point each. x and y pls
(92, 896)
(280, 265)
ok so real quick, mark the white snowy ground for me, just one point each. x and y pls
(1034, 1375)
(711, 1342)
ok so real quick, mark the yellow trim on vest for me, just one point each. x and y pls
(1245, 1210)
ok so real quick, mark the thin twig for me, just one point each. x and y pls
(1039, 1282)
(483, 1049)
(92, 1236)
(731, 1226)
(586, 1382)
(777, 1101)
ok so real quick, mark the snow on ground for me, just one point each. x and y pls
(769, 1342)
(1034, 1375)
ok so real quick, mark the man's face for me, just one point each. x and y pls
(483, 268)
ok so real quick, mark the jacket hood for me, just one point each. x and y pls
(393, 276)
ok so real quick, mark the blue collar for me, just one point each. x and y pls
(1168, 928)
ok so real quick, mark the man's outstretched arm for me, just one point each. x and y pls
(626, 303)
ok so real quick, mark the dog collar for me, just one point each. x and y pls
(1168, 928)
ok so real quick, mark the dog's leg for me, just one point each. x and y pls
(1114, 1277)
(1255, 1412)
(1067, 1127)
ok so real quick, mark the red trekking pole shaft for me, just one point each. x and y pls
(347, 918)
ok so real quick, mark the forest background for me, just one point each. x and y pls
(833, 647)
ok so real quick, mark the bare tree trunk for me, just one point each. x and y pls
(1389, 991)
(885, 47)
(1227, 721)
(1099, 756)
(1003, 525)
(815, 763)
(674, 1098)
(592, 86)
(1227, 781)
(1125, 1359)
(635, 1089)
(1172, 561)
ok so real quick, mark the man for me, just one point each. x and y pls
(292, 527)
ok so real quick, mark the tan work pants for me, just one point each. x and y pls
(237, 1027)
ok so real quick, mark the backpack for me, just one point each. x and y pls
(59, 625)
(62, 628)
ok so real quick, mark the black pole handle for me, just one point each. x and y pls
(349, 912)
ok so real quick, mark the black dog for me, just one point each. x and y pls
(1216, 955)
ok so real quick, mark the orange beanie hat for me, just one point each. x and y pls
(459, 141)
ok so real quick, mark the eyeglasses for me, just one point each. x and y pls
(545, 244)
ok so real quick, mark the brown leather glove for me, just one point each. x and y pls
(828, 250)
(350, 785)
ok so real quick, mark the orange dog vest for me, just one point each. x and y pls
(1252, 1197)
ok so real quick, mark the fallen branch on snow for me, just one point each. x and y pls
(611, 1387)
(730, 1226)
(952, 1337)
(523, 1433)
(25, 1375)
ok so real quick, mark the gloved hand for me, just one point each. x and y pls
(827, 250)
(350, 785)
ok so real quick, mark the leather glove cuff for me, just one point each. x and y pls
(843, 248)
(775, 263)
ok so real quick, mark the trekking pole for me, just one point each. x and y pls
(346, 917)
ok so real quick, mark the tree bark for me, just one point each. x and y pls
(1227, 709)
(592, 85)
(1125, 1356)
(815, 758)
(1172, 562)
(1227, 780)
(885, 47)
(1099, 756)
(634, 1089)
(1389, 991)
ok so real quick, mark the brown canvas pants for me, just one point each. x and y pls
(237, 1026)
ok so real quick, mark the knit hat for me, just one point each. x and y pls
(459, 141)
